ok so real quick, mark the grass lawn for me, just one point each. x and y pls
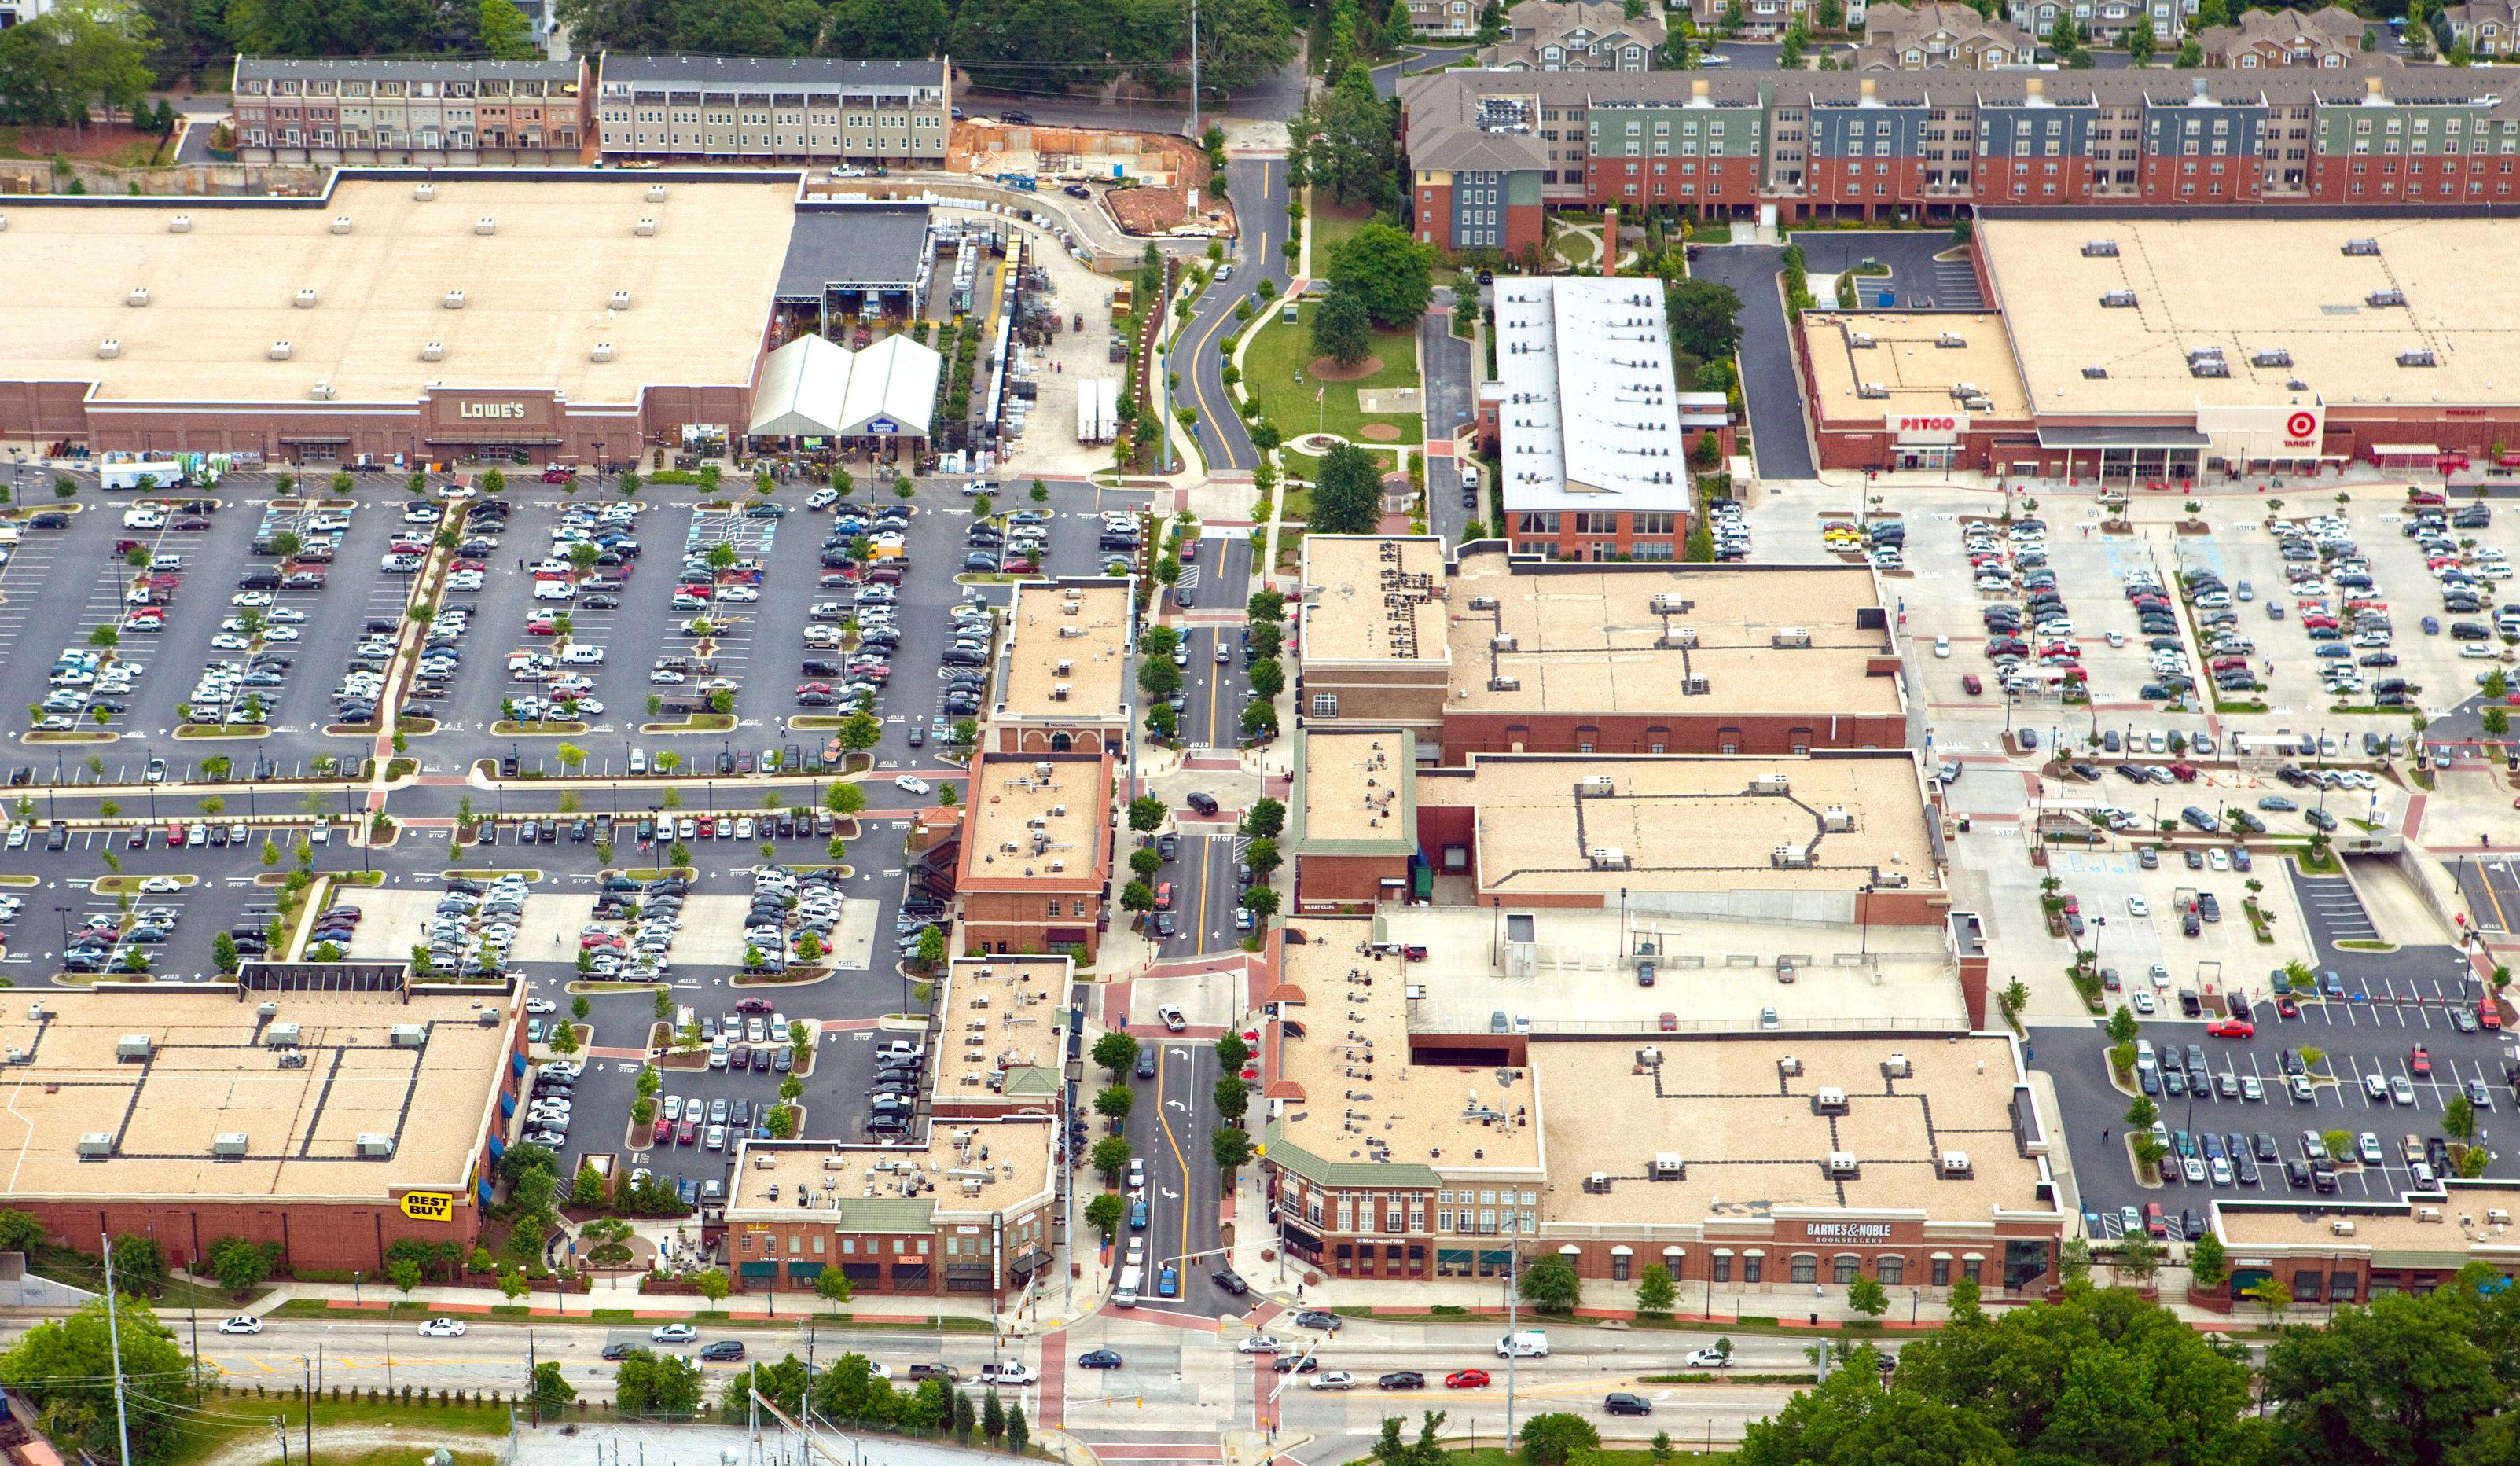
(1279, 351)
(225, 1419)
(1332, 225)
(1576, 248)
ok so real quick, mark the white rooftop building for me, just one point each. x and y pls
(812, 388)
(1590, 425)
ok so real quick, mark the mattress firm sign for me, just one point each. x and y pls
(1847, 1232)
(1926, 427)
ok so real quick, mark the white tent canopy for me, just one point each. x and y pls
(813, 387)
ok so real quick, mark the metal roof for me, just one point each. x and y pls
(801, 384)
(813, 387)
(858, 247)
(1591, 417)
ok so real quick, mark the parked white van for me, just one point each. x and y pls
(1529, 1344)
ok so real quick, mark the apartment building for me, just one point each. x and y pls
(2261, 39)
(1940, 35)
(865, 113)
(1575, 35)
(1835, 146)
(2489, 28)
(426, 113)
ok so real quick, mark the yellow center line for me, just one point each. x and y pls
(1161, 1059)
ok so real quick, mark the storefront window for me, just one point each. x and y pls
(1722, 1268)
(1892, 1270)
(1844, 1268)
(1618, 1266)
(1942, 1273)
(1752, 1266)
(1806, 1268)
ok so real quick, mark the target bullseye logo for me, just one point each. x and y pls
(2300, 425)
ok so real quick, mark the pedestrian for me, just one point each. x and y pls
(2104, 1135)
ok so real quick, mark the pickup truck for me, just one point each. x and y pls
(1008, 1372)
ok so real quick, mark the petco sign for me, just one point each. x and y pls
(1938, 427)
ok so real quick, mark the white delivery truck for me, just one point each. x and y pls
(1126, 1294)
(161, 474)
(1528, 1344)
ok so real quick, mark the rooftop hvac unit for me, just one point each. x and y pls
(1955, 1164)
(2273, 357)
(36, 1011)
(1065, 666)
(279, 1036)
(1695, 684)
(620, 299)
(134, 1047)
(229, 1144)
(1667, 1165)
(1678, 637)
(1790, 635)
(1598, 1182)
(1504, 683)
(2101, 249)
(1670, 604)
(1071, 631)
(321, 391)
(408, 1036)
(2096, 373)
(180, 224)
(2417, 358)
(2118, 301)
(646, 228)
(306, 298)
(1772, 784)
(1599, 785)
(1502, 644)
(341, 224)
(21, 1056)
(454, 299)
(1608, 857)
(2362, 246)
(97, 1143)
(1789, 858)
(425, 191)
(603, 352)
(139, 295)
(2342, 1227)
(656, 193)
(1872, 391)
(376, 1145)
(280, 351)
(2428, 1214)
(2496, 1217)
(2208, 366)
(110, 349)
(1950, 339)
(485, 225)
(1841, 1165)
(1483, 602)
(1835, 819)
(1859, 340)
(1788, 1066)
(2385, 297)
(1831, 1101)
(433, 351)
(1898, 1067)
(488, 1018)
(1059, 691)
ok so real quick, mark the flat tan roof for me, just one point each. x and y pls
(208, 1074)
(1688, 823)
(1008, 1159)
(537, 291)
(1374, 599)
(1355, 784)
(2399, 1232)
(1025, 826)
(1907, 362)
(999, 1013)
(1349, 1064)
(1584, 638)
(2300, 293)
(1755, 1138)
(1071, 635)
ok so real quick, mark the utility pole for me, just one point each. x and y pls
(310, 1409)
(113, 1335)
(531, 1391)
(1512, 1263)
(1194, 69)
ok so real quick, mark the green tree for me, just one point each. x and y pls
(1852, 1416)
(1654, 1291)
(1705, 317)
(240, 1264)
(1548, 1283)
(1268, 679)
(1231, 1054)
(2122, 1026)
(1116, 1053)
(66, 1367)
(1232, 1096)
(1106, 1211)
(657, 1386)
(2140, 41)
(1148, 814)
(139, 1264)
(552, 1392)
(2408, 1378)
(2206, 1261)
(1341, 331)
(1110, 1157)
(1347, 492)
(1114, 1102)
(1866, 1296)
(1557, 1438)
(2458, 1118)
(1701, 550)
(1388, 273)
(831, 1286)
(1232, 1149)
(223, 952)
(859, 731)
(2190, 54)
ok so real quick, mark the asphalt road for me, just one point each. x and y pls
(1451, 366)
(1770, 387)
(1386, 77)
(1259, 189)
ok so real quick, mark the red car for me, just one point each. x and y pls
(691, 1133)
(175, 833)
(1970, 685)
(1467, 1378)
(753, 1005)
(1669, 1023)
(2286, 1007)
(558, 475)
(2232, 1028)
(2421, 1062)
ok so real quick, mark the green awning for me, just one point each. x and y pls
(1496, 1259)
(1452, 1257)
(757, 1270)
(805, 1271)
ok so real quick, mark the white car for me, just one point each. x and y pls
(1258, 1343)
(663, 678)
(910, 785)
(243, 1323)
(228, 641)
(2137, 905)
(1709, 1358)
(442, 1329)
(674, 1333)
(737, 592)
(159, 883)
(250, 598)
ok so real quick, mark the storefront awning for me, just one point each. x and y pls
(2425, 451)
(2121, 437)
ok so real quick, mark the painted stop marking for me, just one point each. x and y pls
(2300, 425)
